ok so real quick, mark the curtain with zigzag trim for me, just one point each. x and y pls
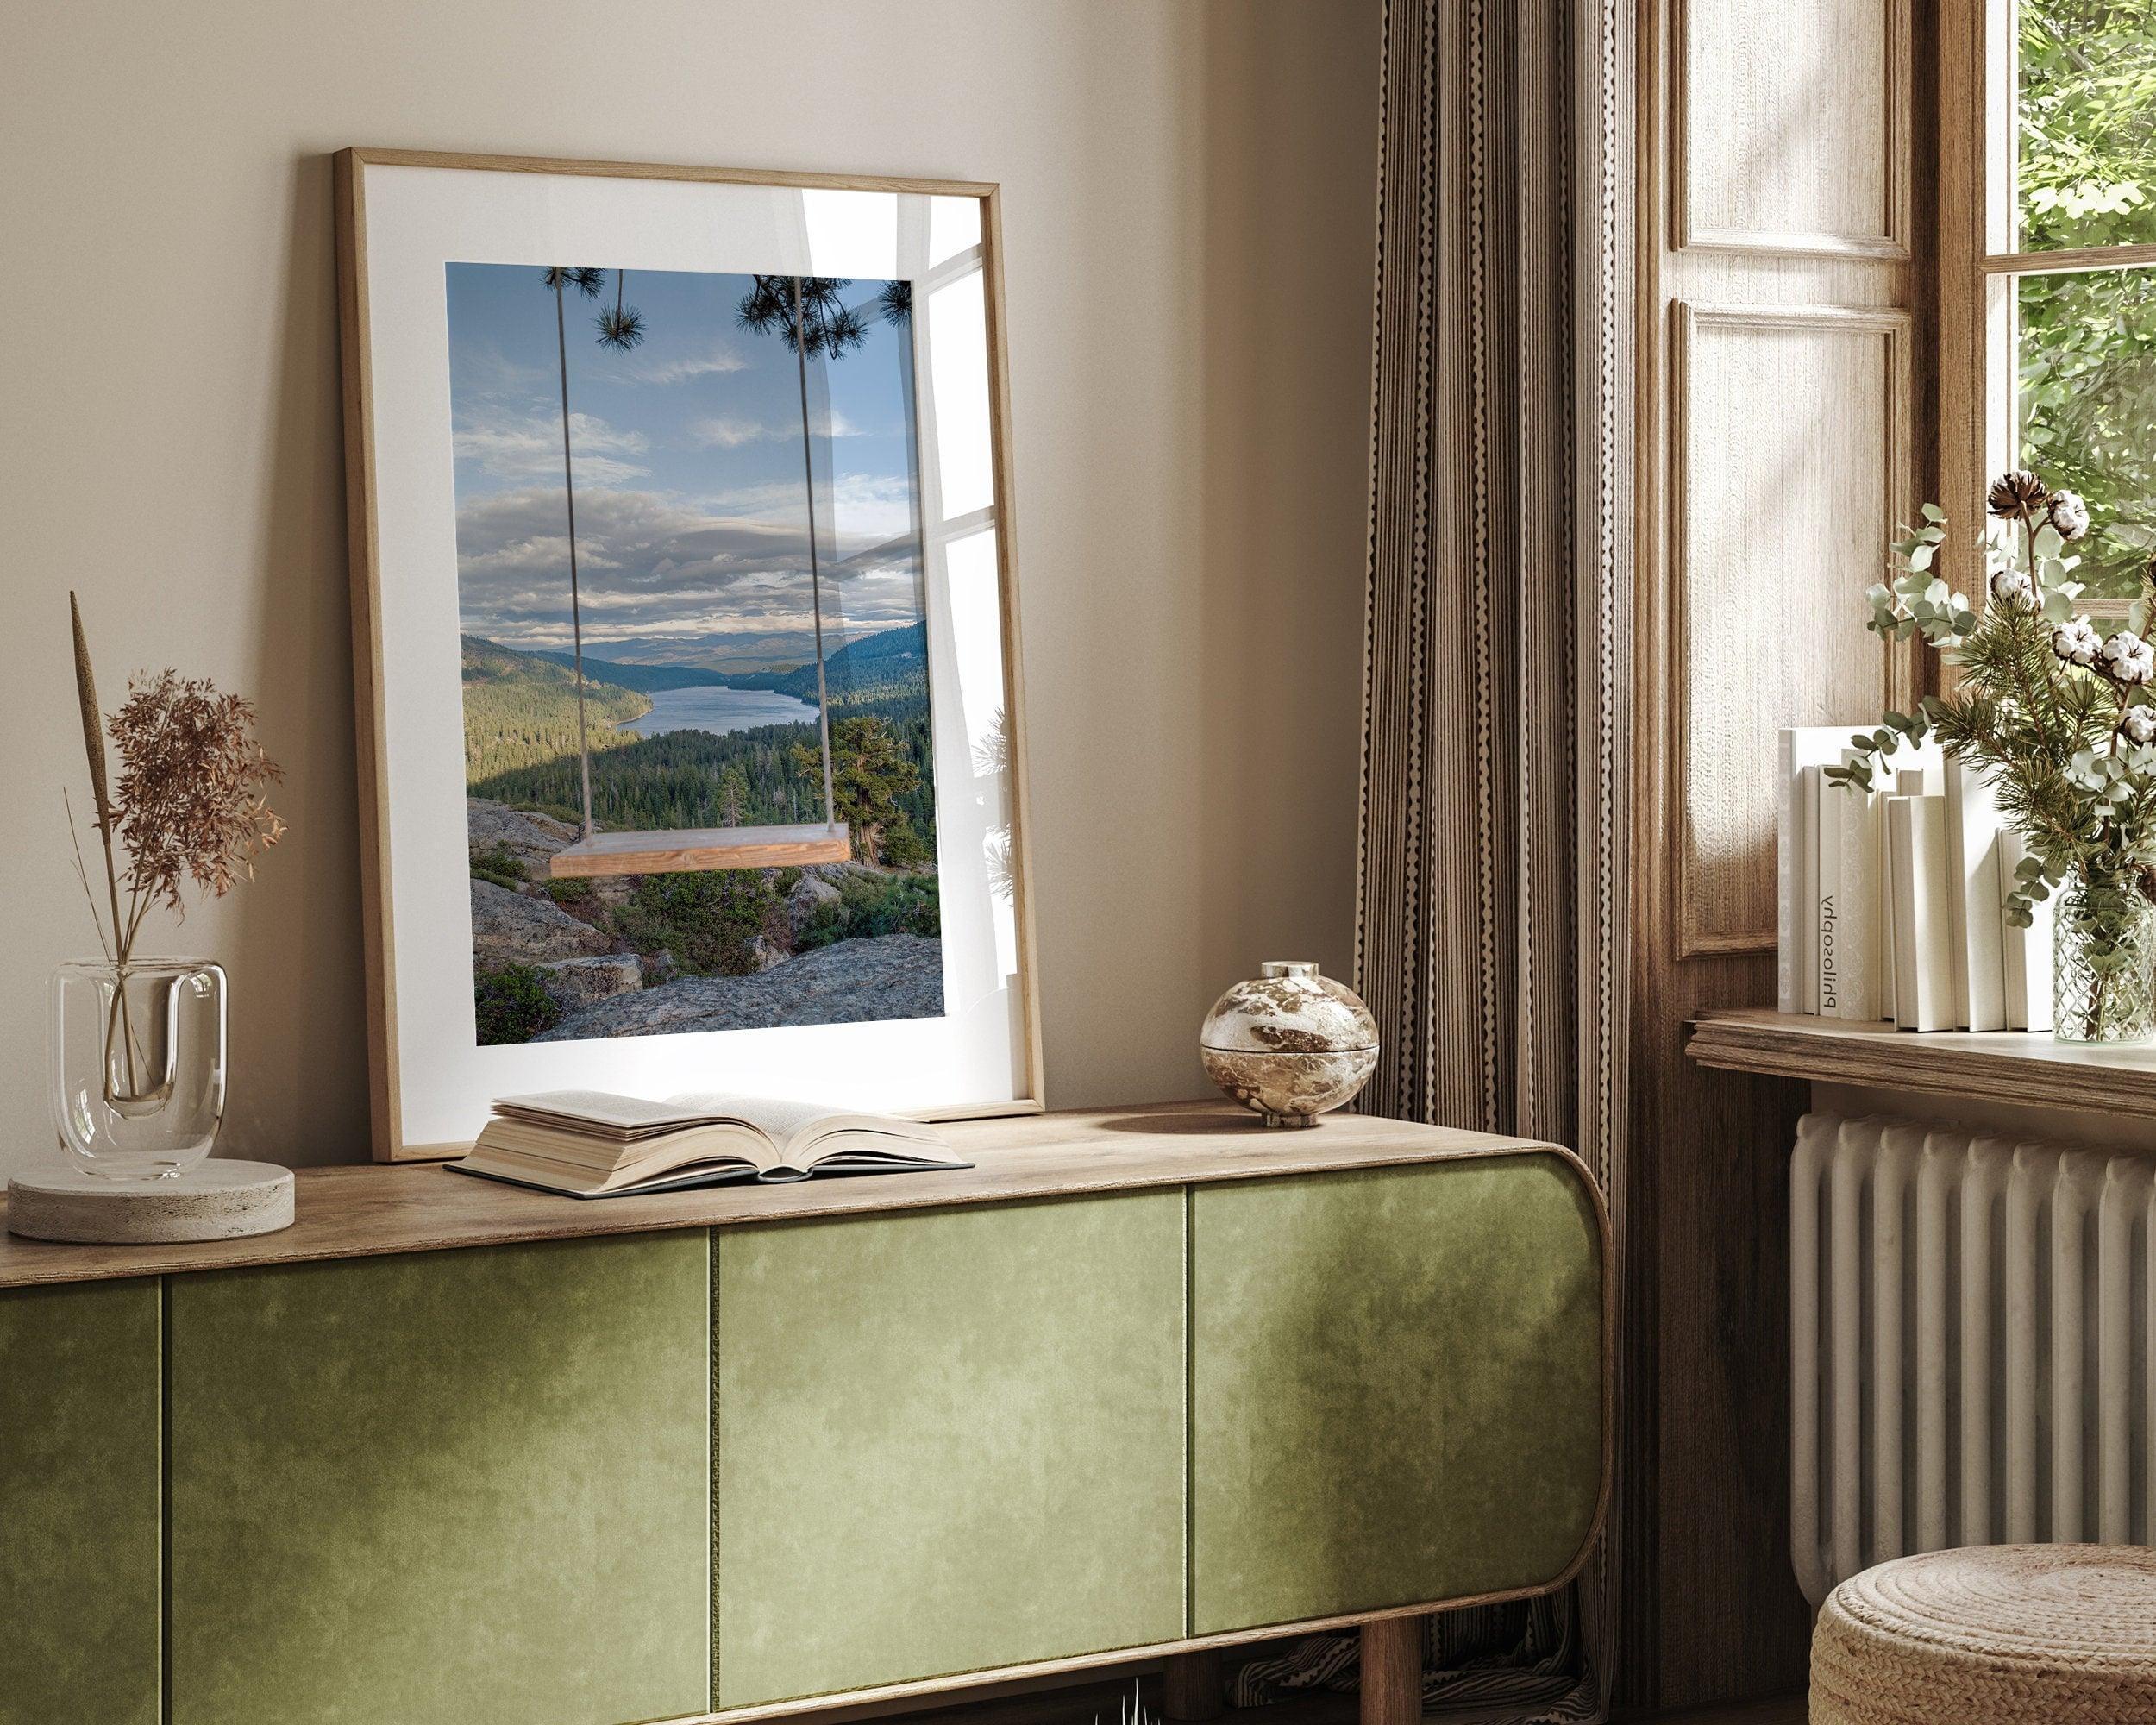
(1491, 908)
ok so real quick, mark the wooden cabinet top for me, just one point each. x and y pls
(365, 1210)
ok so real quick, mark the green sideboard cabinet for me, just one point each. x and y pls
(457, 1488)
(448, 1453)
(1396, 1387)
(79, 1508)
(948, 1442)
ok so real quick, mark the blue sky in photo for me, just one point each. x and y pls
(691, 501)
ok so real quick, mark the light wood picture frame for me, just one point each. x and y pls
(815, 757)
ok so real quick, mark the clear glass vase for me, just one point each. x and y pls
(2103, 963)
(137, 1062)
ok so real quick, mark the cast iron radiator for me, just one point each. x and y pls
(1971, 1336)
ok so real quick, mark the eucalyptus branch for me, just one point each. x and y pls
(2060, 720)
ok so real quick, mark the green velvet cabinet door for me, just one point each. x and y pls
(948, 1441)
(1397, 1387)
(80, 1510)
(456, 1487)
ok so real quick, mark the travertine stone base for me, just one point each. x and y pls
(217, 1200)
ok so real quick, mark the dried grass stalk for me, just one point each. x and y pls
(92, 720)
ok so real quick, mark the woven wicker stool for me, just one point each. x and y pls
(1991, 1636)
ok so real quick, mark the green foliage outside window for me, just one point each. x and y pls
(2086, 110)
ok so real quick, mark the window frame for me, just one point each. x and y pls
(1977, 267)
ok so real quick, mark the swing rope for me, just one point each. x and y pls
(576, 609)
(816, 582)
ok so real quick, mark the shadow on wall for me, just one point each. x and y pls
(292, 948)
(1289, 250)
(1262, 367)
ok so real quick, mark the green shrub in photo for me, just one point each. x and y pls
(907, 905)
(827, 924)
(574, 896)
(870, 906)
(511, 1005)
(499, 864)
(704, 920)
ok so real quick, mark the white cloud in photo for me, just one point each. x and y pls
(692, 515)
(730, 431)
(484, 369)
(652, 567)
(725, 431)
(873, 506)
(868, 507)
(712, 359)
(505, 443)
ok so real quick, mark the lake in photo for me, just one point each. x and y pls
(719, 710)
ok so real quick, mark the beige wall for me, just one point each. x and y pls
(1189, 197)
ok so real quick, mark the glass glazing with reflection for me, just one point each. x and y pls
(2085, 353)
(2085, 132)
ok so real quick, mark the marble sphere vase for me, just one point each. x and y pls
(1290, 1045)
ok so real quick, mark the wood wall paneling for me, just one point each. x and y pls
(1788, 123)
(1778, 255)
(1789, 435)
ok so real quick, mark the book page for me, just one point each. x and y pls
(621, 1116)
(795, 1127)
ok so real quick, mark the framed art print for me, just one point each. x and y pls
(684, 638)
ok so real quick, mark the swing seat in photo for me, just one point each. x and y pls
(716, 847)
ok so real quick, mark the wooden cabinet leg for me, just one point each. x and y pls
(1392, 1672)
(1190, 1687)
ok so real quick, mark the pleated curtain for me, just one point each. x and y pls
(1491, 909)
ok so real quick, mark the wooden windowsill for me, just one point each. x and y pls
(2033, 1069)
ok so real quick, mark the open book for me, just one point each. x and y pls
(591, 1145)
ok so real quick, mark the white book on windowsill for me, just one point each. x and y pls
(1906, 781)
(1972, 867)
(2025, 953)
(1923, 929)
(1849, 923)
(1796, 861)
(1854, 928)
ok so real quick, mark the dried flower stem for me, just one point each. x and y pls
(82, 872)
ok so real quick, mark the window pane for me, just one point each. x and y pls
(2087, 113)
(954, 225)
(2087, 404)
(958, 369)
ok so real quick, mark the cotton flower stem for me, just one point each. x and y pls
(2040, 714)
